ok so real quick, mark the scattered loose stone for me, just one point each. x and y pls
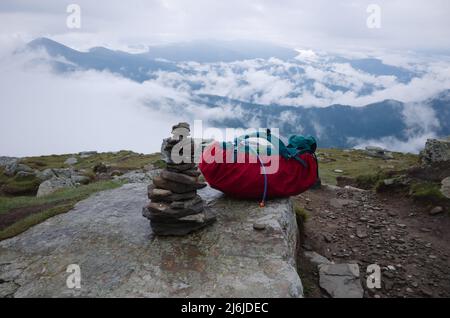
(327, 238)
(361, 233)
(316, 258)
(259, 226)
(71, 161)
(437, 210)
(341, 280)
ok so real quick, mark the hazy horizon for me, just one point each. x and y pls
(347, 52)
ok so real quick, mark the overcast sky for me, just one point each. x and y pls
(325, 24)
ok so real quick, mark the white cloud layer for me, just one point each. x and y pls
(45, 113)
(318, 83)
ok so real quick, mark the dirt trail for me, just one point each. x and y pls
(411, 246)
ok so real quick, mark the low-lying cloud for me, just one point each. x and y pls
(421, 122)
(306, 83)
(45, 113)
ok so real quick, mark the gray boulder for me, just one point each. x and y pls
(5, 161)
(445, 188)
(80, 179)
(56, 173)
(341, 280)
(71, 161)
(52, 185)
(112, 243)
(14, 167)
(87, 154)
(138, 176)
(64, 173)
(45, 174)
(378, 152)
(24, 174)
(316, 258)
(436, 151)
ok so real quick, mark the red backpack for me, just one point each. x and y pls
(251, 174)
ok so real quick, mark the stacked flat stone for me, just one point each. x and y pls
(175, 207)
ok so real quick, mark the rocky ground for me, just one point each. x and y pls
(348, 225)
(399, 222)
(33, 189)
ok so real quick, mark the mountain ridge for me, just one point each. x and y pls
(335, 125)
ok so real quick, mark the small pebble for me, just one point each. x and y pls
(437, 210)
(259, 226)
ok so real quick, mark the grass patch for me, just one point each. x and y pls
(308, 288)
(26, 223)
(427, 192)
(355, 163)
(301, 213)
(61, 195)
(45, 162)
(368, 181)
(62, 201)
(159, 164)
(20, 185)
(121, 160)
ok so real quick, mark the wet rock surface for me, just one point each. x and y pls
(119, 256)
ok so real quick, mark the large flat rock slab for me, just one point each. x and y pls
(118, 256)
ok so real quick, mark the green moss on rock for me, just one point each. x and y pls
(429, 192)
(21, 185)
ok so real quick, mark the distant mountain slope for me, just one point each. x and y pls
(137, 67)
(216, 51)
(377, 67)
(336, 125)
(209, 73)
(140, 66)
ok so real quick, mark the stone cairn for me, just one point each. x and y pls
(175, 207)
